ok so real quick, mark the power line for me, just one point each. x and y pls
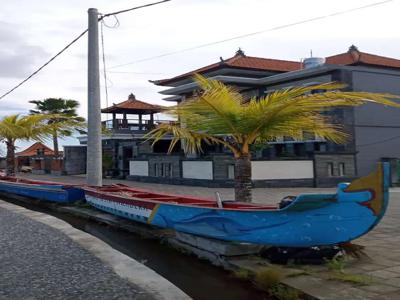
(75, 40)
(379, 142)
(253, 33)
(130, 9)
(45, 64)
(104, 61)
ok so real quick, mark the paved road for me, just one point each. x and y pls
(40, 262)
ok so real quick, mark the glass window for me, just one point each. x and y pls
(341, 169)
(231, 171)
(330, 169)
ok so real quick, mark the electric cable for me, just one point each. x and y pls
(253, 33)
(74, 41)
(45, 64)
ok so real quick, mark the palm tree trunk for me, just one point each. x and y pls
(243, 182)
(10, 160)
(55, 144)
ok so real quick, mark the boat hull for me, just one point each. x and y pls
(41, 191)
(310, 220)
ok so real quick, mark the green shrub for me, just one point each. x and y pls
(268, 278)
(351, 278)
(282, 293)
(242, 274)
(336, 264)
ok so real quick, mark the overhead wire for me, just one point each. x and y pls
(74, 41)
(104, 60)
(45, 64)
(133, 8)
(380, 141)
(253, 33)
(186, 49)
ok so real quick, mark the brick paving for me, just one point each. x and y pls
(382, 244)
(39, 262)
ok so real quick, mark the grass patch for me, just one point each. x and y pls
(268, 278)
(283, 293)
(242, 274)
(82, 204)
(300, 273)
(336, 264)
(351, 278)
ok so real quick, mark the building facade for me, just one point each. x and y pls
(374, 129)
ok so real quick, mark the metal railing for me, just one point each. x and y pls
(132, 124)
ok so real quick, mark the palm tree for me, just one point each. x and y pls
(221, 115)
(65, 109)
(16, 127)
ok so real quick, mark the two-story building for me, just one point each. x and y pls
(374, 129)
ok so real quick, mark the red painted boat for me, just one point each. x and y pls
(308, 220)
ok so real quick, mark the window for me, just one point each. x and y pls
(330, 169)
(163, 169)
(341, 169)
(231, 171)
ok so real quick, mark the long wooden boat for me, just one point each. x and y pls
(309, 220)
(41, 190)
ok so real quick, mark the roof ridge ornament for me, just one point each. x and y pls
(240, 52)
(353, 48)
(355, 53)
(131, 97)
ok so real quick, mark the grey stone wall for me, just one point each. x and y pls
(3, 163)
(170, 164)
(74, 160)
(221, 164)
(377, 127)
(321, 168)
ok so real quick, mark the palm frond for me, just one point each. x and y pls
(221, 111)
(192, 140)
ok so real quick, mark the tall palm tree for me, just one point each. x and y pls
(65, 110)
(221, 115)
(17, 127)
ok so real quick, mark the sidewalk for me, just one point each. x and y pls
(42, 257)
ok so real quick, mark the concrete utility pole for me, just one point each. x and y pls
(94, 151)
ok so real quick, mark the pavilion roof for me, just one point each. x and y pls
(133, 106)
(32, 150)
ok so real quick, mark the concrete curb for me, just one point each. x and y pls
(124, 266)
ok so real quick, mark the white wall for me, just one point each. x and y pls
(291, 169)
(197, 169)
(139, 168)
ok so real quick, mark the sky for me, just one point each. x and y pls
(32, 31)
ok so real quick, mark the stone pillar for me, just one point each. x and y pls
(140, 122)
(124, 121)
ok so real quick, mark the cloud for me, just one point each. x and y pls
(17, 57)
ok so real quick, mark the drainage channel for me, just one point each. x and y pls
(195, 277)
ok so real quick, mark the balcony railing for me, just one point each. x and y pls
(132, 124)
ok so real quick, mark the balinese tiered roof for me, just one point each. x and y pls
(352, 57)
(133, 106)
(356, 57)
(33, 150)
(241, 61)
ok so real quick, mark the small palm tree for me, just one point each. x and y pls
(64, 110)
(16, 127)
(221, 115)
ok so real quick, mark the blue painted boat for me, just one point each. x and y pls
(309, 220)
(41, 190)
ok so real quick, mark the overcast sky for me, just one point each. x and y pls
(31, 31)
